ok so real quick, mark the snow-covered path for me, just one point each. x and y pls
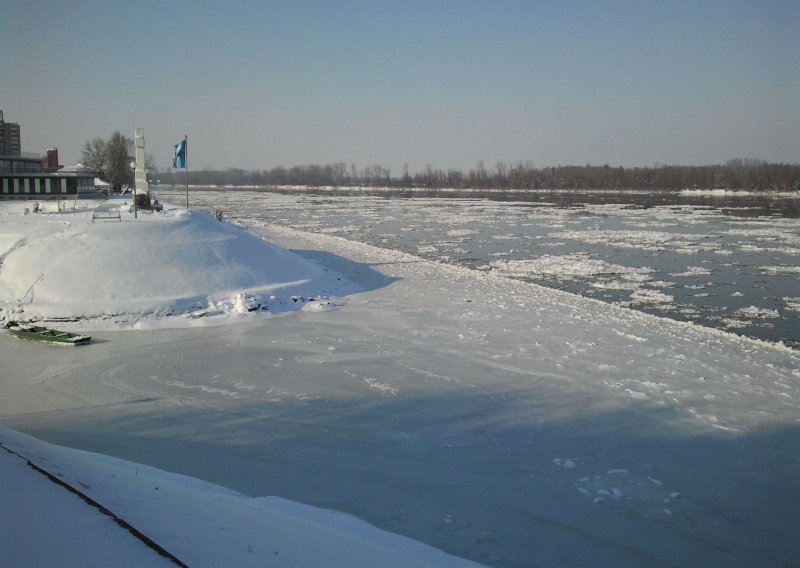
(499, 421)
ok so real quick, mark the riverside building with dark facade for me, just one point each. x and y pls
(25, 176)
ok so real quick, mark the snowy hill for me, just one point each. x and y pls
(63, 266)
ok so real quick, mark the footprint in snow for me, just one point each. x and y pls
(620, 485)
(566, 463)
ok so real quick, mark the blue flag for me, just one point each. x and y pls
(179, 159)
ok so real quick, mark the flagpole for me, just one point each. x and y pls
(186, 164)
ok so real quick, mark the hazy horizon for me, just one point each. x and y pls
(257, 85)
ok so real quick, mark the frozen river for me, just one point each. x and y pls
(731, 263)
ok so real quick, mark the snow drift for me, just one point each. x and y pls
(64, 266)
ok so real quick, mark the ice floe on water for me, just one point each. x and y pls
(651, 297)
(604, 275)
(757, 313)
(780, 269)
(792, 304)
(734, 323)
(461, 232)
(692, 271)
(655, 241)
(566, 267)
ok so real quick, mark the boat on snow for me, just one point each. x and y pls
(47, 335)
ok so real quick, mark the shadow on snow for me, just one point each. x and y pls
(481, 476)
(358, 273)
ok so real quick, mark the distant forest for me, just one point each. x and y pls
(743, 174)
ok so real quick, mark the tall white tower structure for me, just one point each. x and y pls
(140, 173)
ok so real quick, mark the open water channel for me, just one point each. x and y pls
(726, 261)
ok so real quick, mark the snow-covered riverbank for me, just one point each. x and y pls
(496, 420)
(723, 262)
(125, 514)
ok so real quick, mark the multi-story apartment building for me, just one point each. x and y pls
(10, 142)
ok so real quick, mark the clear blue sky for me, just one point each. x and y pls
(260, 84)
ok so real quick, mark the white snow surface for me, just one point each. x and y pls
(179, 263)
(493, 419)
(199, 523)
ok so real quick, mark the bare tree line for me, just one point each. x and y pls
(736, 174)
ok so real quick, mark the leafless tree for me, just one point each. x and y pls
(110, 159)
